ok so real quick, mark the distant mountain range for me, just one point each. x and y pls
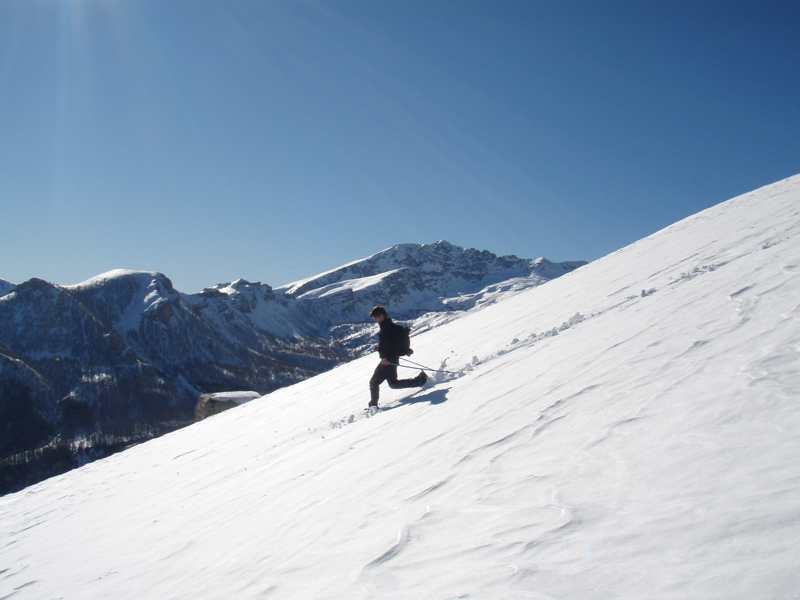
(87, 369)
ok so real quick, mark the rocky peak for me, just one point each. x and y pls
(121, 297)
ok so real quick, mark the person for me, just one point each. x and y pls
(388, 349)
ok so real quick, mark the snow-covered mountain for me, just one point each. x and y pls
(412, 280)
(632, 432)
(89, 368)
(422, 284)
(419, 279)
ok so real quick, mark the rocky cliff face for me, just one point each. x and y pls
(123, 357)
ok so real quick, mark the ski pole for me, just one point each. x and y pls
(417, 365)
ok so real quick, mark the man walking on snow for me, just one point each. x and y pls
(389, 349)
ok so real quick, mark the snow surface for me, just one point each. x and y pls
(292, 288)
(629, 430)
(349, 285)
(113, 274)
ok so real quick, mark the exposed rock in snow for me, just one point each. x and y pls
(213, 404)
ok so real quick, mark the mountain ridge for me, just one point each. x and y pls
(124, 356)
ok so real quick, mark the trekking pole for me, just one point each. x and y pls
(417, 365)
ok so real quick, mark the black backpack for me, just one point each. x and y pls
(403, 340)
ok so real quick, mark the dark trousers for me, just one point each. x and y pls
(388, 373)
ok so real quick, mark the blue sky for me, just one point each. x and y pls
(273, 140)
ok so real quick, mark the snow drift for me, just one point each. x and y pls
(629, 430)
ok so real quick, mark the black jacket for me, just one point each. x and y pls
(388, 339)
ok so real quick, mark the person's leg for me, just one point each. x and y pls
(378, 377)
(395, 383)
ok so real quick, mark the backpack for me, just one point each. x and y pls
(403, 340)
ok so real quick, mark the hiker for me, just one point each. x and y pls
(390, 347)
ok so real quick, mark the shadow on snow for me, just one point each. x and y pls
(433, 397)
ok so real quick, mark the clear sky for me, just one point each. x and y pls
(272, 140)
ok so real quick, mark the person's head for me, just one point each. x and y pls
(378, 313)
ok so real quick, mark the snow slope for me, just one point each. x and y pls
(629, 430)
